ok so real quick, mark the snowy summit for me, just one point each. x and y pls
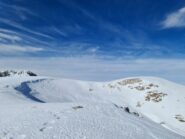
(35, 107)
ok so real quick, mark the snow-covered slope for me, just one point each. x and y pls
(44, 107)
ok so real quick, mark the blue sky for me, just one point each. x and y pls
(120, 28)
(115, 30)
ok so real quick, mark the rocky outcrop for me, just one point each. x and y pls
(13, 73)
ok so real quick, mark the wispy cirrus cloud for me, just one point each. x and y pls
(175, 19)
(22, 28)
(77, 49)
(15, 34)
(7, 49)
(9, 37)
(23, 36)
(18, 11)
(124, 42)
(69, 35)
(13, 27)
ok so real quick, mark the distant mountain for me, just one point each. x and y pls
(7, 73)
(131, 108)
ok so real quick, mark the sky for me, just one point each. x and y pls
(94, 40)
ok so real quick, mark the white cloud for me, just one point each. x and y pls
(16, 49)
(20, 27)
(175, 19)
(18, 10)
(21, 37)
(93, 68)
(93, 50)
(10, 37)
(57, 30)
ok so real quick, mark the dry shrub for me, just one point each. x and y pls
(155, 96)
(129, 81)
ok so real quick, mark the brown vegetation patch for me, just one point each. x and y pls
(153, 85)
(155, 96)
(129, 81)
(140, 86)
(145, 87)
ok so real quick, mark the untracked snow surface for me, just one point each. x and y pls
(50, 108)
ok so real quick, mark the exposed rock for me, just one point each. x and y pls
(153, 85)
(129, 81)
(77, 107)
(127, 109)
(155, 96)
(180, 118)
(140, 88)
(4, 74)
(31, 73)
(13, 73)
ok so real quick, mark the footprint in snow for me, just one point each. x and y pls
(6, 135)
(56, 116)
(44, 127)
(47, 125)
